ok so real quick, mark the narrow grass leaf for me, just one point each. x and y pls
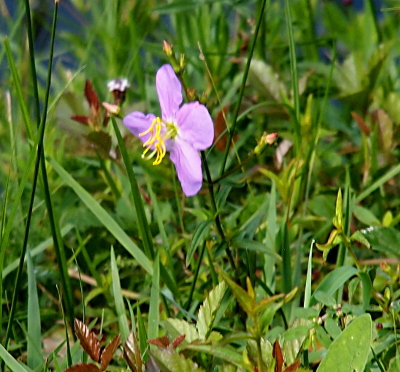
(353, 345)
(103, 217)
(200, 232)
(154, 315)
(307, 290)
(334, 280)
(34, 339)
(118, 299)
(11, 362)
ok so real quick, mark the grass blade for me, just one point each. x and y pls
(34, 337)
(103, 217)
(118, 298)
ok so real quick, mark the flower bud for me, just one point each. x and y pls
(266, 139)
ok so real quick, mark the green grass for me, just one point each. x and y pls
(289, 250)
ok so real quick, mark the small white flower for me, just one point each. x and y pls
(118, 84)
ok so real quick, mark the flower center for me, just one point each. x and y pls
(160, 131)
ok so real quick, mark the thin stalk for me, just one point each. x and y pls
(143, 225)
(215, 211)
(40, 151)
(295, 78)
(196, 275)
(231, 130)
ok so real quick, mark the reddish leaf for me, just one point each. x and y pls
(81, 119)
(109, 351)
(162, 342)
(83, 367)
(88, 339)
(132, 354)
(92, 97)
(278, 356)
(293, 367)
(178, 341)
(361, 123)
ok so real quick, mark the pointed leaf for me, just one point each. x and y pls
(353, 346)
(162, 342)
(177, 327)
(278, 356)
(198, 236)
(246, 302)
(207, 311)
(178, 341)
(88, 339)
(131, 353)
(109, 351)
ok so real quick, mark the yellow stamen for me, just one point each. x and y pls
(157, 139)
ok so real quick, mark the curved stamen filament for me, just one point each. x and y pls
(156, 140)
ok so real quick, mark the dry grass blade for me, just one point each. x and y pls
(132, 354)
(109, 351)
(88, 339)
(83, 367)
(278, 356)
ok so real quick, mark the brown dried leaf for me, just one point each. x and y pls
(83, 367)
(132, 354)
(162, 342)
(88, 339)
(293, 367)
(178, 341)
(109, 351)
(278, 356)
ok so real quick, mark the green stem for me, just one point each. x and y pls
(143, 225)
(231, 130)
(215, 211)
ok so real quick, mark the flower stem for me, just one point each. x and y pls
(214, 210)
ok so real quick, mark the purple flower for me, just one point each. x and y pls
(182, 130)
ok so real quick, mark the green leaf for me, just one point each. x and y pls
(245, 300)
(11, 362)
(223, 353)
(154, 314)
(365, 216)
(208, 310)
(119, 301)
(169, 360)
(353, 346)
(108, 222)
(334, 280)
(176, 327)
(253, 245)
(34, 336)
(383, 239)
(198, 236)
(324, 298)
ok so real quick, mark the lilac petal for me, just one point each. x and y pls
(137, 122)
(188, 167)
(195, 125)
(169, 92)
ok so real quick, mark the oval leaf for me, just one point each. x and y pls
(353, 346)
